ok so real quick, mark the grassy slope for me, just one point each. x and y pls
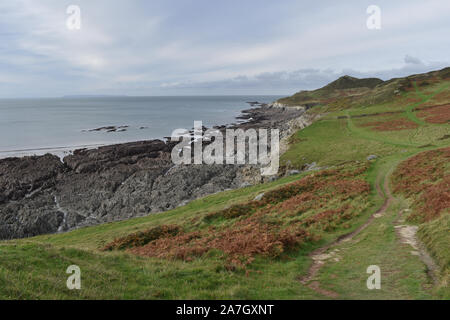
(435, 234)
(35, 268)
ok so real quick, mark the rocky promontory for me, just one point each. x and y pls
(41, 194)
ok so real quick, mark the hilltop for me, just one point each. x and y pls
(347, 82)
(347, 91)
(363, 185)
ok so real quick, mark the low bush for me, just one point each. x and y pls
(141, 238)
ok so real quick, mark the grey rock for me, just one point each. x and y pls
(259, 197)
(271, 178)
(245, 185)
(41, 195)
(372, 157)
(311, 167)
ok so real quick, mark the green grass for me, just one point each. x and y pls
(330, 142)
(435, 235)
(122, 276)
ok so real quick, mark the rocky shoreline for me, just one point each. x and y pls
(41, 194)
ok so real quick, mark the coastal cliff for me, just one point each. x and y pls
(41, 194)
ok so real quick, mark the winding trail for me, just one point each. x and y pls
(319, 256)
(406, 234)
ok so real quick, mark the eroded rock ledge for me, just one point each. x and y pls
(41, 194)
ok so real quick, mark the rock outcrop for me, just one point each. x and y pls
(41, 194)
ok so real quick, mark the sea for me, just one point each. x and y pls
(61, 125)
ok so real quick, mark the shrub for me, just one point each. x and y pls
(142, 238)
(232, 212)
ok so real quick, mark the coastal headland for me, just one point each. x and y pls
(44, 194)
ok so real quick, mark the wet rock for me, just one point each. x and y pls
(108, 129)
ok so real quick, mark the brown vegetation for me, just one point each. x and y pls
(426, 179)
(436, 114)
(142, 238)
(391, 125)
(283, 220)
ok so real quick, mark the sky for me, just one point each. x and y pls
(213, 47)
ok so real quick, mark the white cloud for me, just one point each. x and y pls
(144, 47)
(291, 82)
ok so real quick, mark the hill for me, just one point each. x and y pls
(347, 82)
(373, 161)
(347, 92)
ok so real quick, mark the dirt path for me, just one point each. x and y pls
(319, 256)
(408, 235)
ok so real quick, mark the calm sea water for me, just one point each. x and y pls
(38, 126)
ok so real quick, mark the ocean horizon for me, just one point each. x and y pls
(35, 126)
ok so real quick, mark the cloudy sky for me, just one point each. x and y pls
(189, 47)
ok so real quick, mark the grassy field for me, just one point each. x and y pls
(230, 246)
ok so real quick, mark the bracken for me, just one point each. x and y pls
(391, 125)
(436, 114)
(426, 179)
(269, 227)
(142, 238)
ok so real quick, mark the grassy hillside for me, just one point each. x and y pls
(231, 246)
(348, 92)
